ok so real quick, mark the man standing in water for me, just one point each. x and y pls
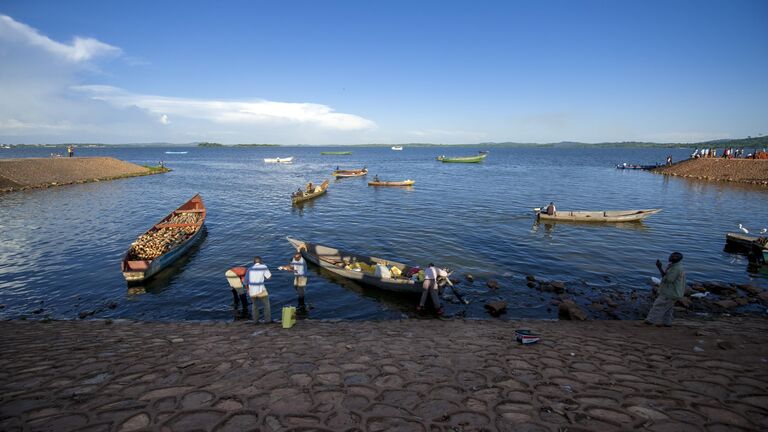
(671, 289)
(299, 268)
(430, 288)
(235, 277)
(257, 274)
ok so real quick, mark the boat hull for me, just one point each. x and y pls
(278, 160)
(746, 243)
(350, 173)
(462, 159)
(392, 183)
(598, 216)
(325, 257)
(135, 271)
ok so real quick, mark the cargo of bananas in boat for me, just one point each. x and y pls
(165, 242)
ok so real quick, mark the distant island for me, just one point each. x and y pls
(758, 142)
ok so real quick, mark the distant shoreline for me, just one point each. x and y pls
(35, 173)
(749, 143)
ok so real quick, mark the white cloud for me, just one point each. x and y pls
(81, 49)
(164, 119)
(253, 112)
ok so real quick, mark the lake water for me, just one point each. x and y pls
(60, 248)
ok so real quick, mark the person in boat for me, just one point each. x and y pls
(235, 277)
(430, 288)
(299, 268)
(551, 210)
(310, 187)
(671, 289)
(298, 192)
(376, 178)
(255, 279)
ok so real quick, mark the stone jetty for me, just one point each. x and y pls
(751, 171)
(26, 173)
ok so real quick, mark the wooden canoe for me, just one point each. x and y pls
(597, 216)
(137, 266)
(334, 260)
(336, 153)
(392, 183)
(463, 159)
(350, 173)
(295, 199)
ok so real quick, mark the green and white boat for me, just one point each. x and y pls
(337, 153)
(463, 159)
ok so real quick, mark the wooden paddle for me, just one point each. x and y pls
(456, 292)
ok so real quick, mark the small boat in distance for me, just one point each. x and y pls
(278, 160)
(463, 159)
(310, 193)
(636, 167)
(364, 269)
(397, 148)
(596, 216)
(350, 173)
(391, 183)
(176, 152)
(165, 242)
(337, 153)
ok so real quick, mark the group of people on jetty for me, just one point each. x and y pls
(727, 153)
(251, 282)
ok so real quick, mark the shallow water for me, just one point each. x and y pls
(60, 248)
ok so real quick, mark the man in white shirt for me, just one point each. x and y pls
(430, 288)
(299, 268)
(255, 277)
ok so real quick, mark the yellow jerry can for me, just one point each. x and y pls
(289, 316)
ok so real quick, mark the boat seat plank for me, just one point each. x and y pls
(141, 265)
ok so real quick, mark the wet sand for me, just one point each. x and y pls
(750, 171)
(19, 174)
(419, 375)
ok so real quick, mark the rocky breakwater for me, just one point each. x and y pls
(20, 174)
(751, 171)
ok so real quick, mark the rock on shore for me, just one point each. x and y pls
(17, 174)
(753, 171)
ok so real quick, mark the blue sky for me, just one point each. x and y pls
(352, 72)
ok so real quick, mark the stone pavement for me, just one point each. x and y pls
(411, 375)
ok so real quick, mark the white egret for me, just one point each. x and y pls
(744, 230)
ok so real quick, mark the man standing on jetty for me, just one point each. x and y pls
(299, 268)
(671, 289)
(70, 150)
(257, 274)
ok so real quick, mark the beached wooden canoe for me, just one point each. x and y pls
(337, 153)
(306, 196)
(392, 183)
(753, 245)
(165, 242)
(279, 160)
(597, 216)
(463, 159)
(350, 173)
(335, 261)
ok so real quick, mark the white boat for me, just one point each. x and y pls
(279, 160)
(398, 148)
(176, 152)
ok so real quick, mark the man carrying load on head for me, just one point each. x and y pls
(235, 277)
(257, 274)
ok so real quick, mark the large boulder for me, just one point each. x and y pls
(569, 310)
